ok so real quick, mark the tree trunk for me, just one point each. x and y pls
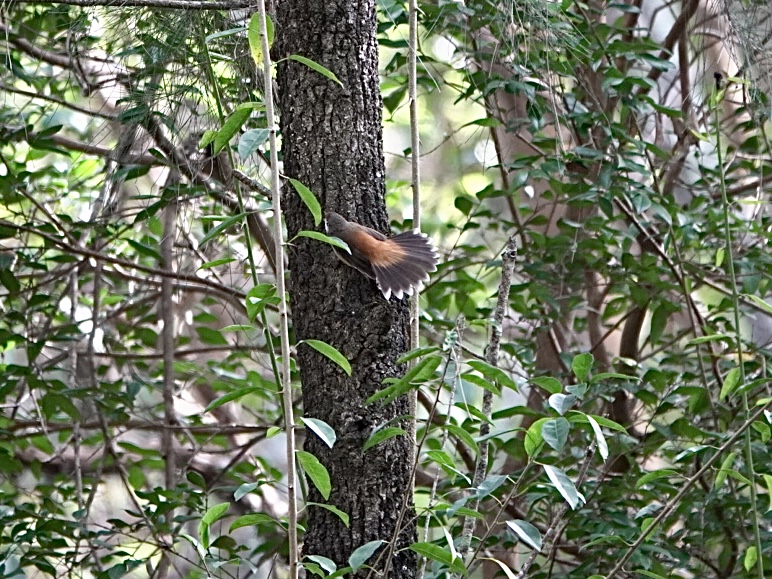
(332, 143)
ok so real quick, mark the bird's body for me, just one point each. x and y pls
(396, 263)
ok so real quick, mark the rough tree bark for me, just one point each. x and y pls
(332, 142)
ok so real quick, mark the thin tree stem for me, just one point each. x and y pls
(278, 235)
(492, 357)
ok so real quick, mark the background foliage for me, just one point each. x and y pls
(624, 147)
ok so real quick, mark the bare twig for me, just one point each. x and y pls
(170, 4)
(278, 237)
(492, 357)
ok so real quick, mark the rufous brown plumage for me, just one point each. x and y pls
(397, 264)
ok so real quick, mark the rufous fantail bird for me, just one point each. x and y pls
(396, 263)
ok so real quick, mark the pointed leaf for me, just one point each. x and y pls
(731, 382)
(335, 241)
(561, 403)
(581, 365)
(441, 555)
(555, 432)
(315, 471)
(333, 509)
(507, 571)
(494, 374)
(307, 196)
(254, 37)
(565, 486)
(321, 429)
(329, 352)
(226, 224)
(551, 385)
(315, 66)
(251, 140)
(527, 533)
(251, 520)
(361, 554)
(325, 563)
(380, 435)
(230, 127)
(599, 437)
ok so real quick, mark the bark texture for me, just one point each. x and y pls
(332, 142)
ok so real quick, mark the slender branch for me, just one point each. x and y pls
(674, 502)
(278, 237)
(58, 101)
(74, 250)
(32, 428)
(492, 357)
(170, 4)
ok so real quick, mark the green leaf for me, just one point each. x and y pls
(230, 397)
(759, 302)
(380, 435)
(612, 375)
(711, 338)
(259, 297)
(533, 438)
(329, 352)
(210, 517)
(315, 471)
(561, 403)
(207, 138)
(321, 429)
(462, 435)
(216, 262)
(731, 382)
(361, 554)
(565, 486)
(230, 127)
(419, 373)
(211, 336)
(245, 489)
(751, 557)
(335, 241)
(527, 533)
(215, 513)
(254, 37)
(441, 555)
(649, 574)
(251, 520)
(600, 438)
(768, 482)
(555, 432)
(551, 385)
(417, 353)
(251, 140)
(144, 249)
(307, 196)
(494, 374)
(507, 571)
(333, 509)
(581, 365)
(226, 224)
(237, 328)
(726, 465)
(315, 66)
(325, 563)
